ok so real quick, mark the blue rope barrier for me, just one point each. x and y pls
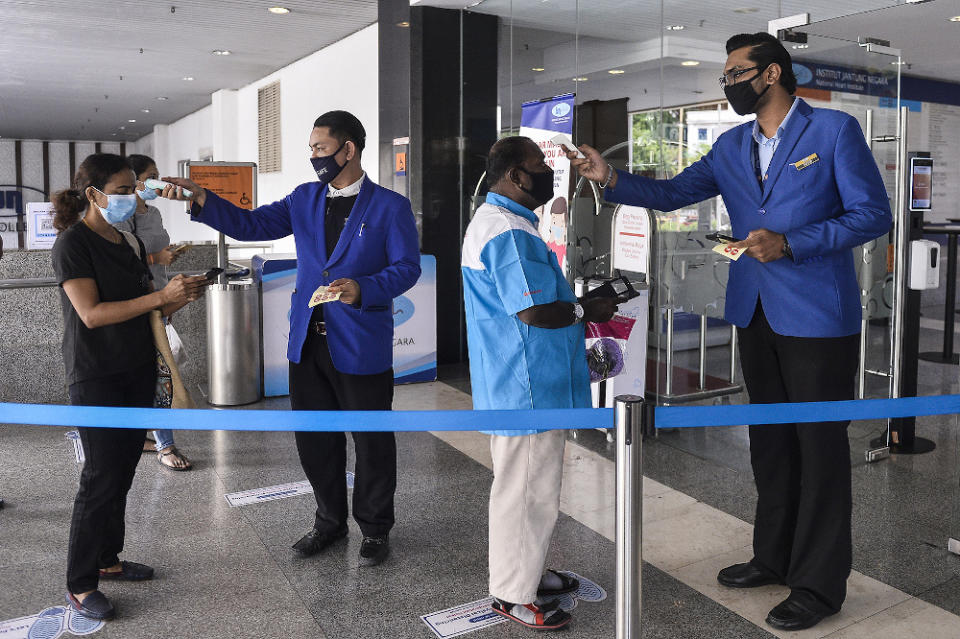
(735, 415)
(285, 420)
(470, 420)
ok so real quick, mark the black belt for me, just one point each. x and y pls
(320, 328)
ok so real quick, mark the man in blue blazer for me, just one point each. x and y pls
(359, 240)
(802, 189)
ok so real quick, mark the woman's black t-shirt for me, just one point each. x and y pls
(80, 252)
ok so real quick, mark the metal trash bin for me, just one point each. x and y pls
(234, 358)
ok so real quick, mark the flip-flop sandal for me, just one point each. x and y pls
(173, 451)
(149, 445)
(545, 617)
(569, 584)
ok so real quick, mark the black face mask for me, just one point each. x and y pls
(542, 189)
(327, 167)
(741, 96)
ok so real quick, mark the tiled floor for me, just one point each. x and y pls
(229, 572)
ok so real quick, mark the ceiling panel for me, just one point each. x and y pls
(80, 69)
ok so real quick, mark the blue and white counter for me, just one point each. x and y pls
(414, 322)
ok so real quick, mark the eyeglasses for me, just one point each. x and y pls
(733, 76)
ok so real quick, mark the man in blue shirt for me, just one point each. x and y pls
(802, 189)
(527, 350)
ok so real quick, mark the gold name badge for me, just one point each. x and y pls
(807, 161)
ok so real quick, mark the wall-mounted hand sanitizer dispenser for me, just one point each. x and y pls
(924, 265)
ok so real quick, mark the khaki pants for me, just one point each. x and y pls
(524, 504)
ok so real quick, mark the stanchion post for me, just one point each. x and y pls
(632, 415)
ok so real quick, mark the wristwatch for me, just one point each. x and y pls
(786, 248)
(577, 312)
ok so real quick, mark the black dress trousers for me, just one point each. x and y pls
(315, 384)
(802, 471)
(112, 454)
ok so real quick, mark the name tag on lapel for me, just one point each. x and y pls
(807, 161)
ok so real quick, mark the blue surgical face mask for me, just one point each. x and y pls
(327, 167)
(147, 194)
(119, 207)
(557, 231)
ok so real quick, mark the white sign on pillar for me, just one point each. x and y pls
(40, 231)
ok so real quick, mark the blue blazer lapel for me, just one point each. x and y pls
(354, 220)
(746, 162)
(791, 135)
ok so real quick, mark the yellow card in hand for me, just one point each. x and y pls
(728, 251)
(322, 295)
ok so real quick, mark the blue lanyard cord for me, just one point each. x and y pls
(470, 420)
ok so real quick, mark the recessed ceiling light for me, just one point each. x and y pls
(220, 52)
(403, 24)
(131, 121)
(675, 27)
(162, 98)
(538, 69)
(690, 63)
(581, 79)
(955, 19)
(616, 71)
(122, 128)
(898, 63)
(801, 46)
(188, 78)
(746, 10)
(279, 10)
(144, 110)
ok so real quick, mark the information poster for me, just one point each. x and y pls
(233, 181)
(542, 120)
(40, 231)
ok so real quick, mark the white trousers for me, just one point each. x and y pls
(524, 504)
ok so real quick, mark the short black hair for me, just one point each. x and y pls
(506, 154)
(343, 126)
(140, 163)
(765, 50)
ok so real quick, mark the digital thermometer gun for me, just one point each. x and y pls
(159, 185)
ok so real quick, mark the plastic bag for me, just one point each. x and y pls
(176, 345)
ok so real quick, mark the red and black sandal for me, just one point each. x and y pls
(545, 617)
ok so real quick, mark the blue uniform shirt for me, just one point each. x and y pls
(508, 268)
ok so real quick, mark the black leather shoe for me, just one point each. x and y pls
(94, 606)
(791, 615)
(129, 571)
(315, 541)
(746, 576)
(374, 550)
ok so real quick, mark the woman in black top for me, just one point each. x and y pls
(110, 360)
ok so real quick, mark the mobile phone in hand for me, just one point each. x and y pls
(721, 238)
(181, 248)
(213, 273)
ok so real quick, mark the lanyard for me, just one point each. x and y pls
(756, 163)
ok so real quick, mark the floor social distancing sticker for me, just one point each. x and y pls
(270, 493)
(476, 615)
(49, 624)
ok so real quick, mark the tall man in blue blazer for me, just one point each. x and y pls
(802, 190)
(360, 240)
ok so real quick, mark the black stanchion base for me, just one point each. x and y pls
(937, 357)
(920, 446)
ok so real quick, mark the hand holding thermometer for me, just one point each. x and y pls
(159, 185)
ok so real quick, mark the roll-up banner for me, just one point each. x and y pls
(542, 120)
